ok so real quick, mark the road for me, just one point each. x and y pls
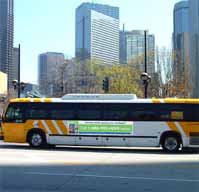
(96, 169)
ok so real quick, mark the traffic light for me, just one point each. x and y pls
(105, 84)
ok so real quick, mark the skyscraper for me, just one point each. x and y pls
(49, 66)
(132, 49)
(194, 45)
(97, 33)
(6, 37)
(181, 64)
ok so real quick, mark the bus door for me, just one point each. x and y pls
(13, 124)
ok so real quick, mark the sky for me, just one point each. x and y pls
(49, 26)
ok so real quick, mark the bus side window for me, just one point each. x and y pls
(64, 111)
(36, 113)
(14, 114)
(115, 112)
(177, 115)
(90, 111)
(143, 115)
(191, 112)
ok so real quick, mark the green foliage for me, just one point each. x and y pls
(122, 79)
(87, 77)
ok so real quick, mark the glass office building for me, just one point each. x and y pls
(6, 37)
(97, 33)
(49, 67)
(194, 45)
(181, 17)
(132, 49)
(181, 63)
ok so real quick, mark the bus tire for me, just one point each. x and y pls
(37, 139)
(171, 143)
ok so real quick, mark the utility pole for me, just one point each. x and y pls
(19, 79)
(145, 51)
(144, 76)
(145, 62)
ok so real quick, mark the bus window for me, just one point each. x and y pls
(142, 115)
(38, 114)
(178, 115)
(116, 112)
(170, 112)
(190, 112)
(90, 111)
(37, 111)
(14, 114)
(64, 111)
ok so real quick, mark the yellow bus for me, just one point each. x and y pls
(103, 120)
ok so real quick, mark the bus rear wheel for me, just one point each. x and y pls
(36, 139)
(171, 143)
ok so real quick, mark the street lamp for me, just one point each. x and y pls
(18, 86)
(144, 76)
(145, 80)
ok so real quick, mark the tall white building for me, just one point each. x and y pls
(49, 69)
(97, 33)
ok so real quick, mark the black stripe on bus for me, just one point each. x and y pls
(116, 136)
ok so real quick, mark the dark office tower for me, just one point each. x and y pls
(6, 37)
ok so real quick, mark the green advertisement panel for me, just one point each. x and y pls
(101, 127)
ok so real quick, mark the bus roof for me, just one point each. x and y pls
(60, 100)
(99, 97)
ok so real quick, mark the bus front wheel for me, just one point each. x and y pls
(36, 139)
(171, 143)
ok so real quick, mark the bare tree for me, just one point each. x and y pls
(175, 83)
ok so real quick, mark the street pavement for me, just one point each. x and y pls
(94, 169)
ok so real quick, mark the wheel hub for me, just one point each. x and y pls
(36, 139)
(171, 143)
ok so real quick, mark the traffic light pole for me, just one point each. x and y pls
(105, 85)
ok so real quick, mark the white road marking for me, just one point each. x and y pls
(113, 177)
